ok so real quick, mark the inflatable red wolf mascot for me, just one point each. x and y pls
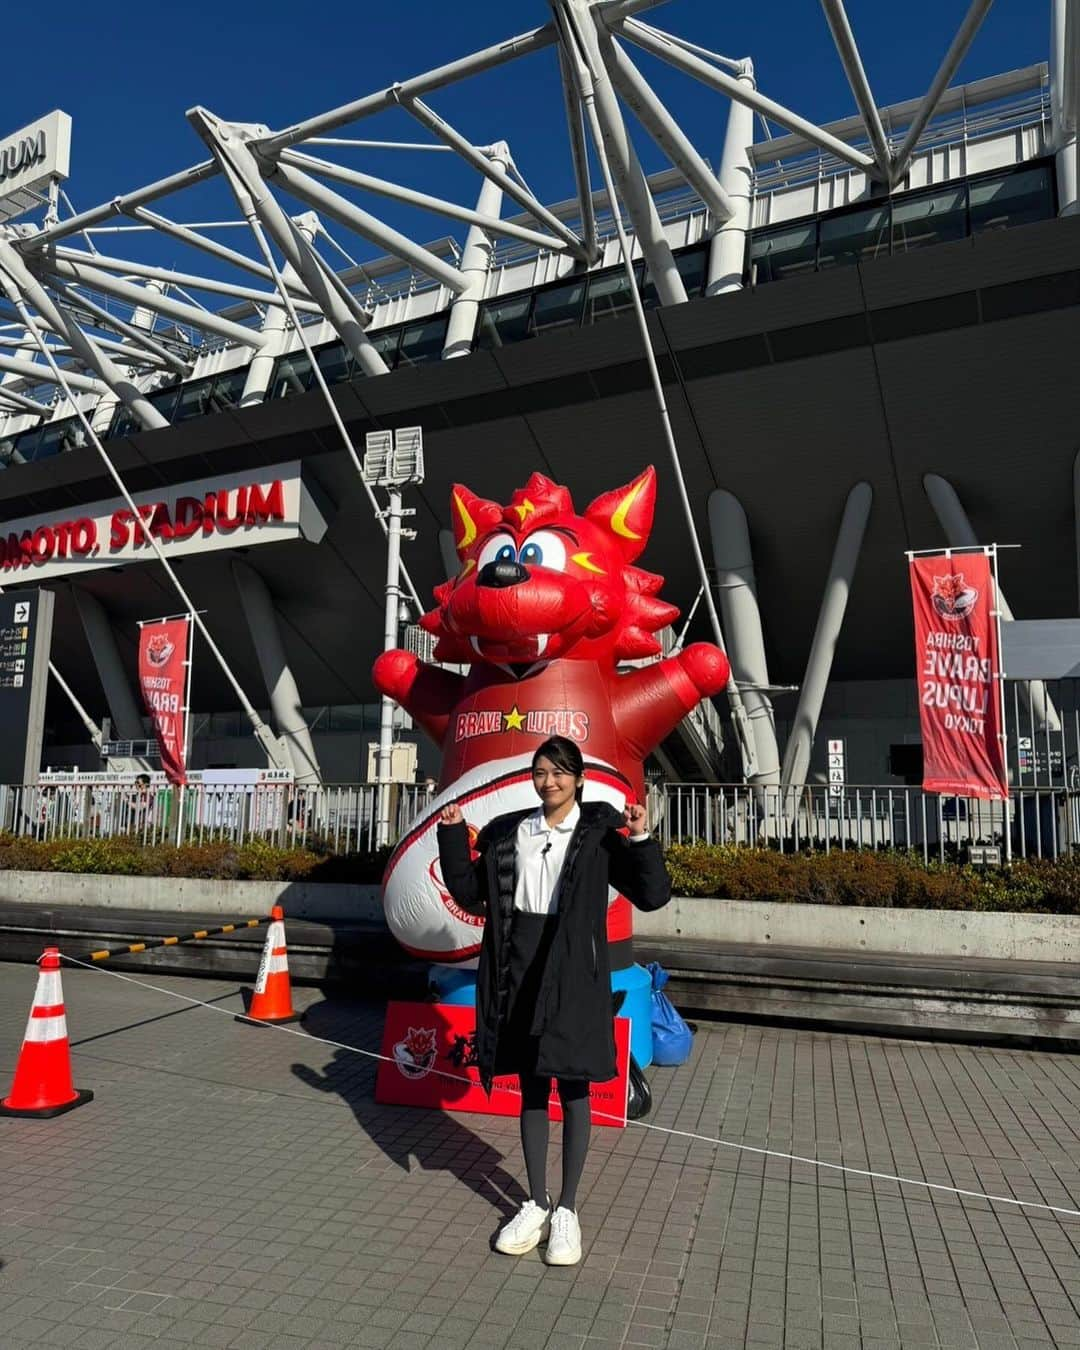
(545, 607)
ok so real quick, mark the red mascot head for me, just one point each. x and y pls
(539, 582)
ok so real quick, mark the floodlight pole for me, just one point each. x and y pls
(391, 459)
(390, 641)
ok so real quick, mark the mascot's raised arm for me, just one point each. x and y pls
(546, 606)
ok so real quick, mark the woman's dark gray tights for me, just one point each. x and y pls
(574, 1096)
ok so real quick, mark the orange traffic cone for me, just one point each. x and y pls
(272, 999)
(42, 1085)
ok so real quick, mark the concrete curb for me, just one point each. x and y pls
(903, 932)
(193, 895)
(906, 932)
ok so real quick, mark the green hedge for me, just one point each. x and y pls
(863, 877)
(128, 856)
(838, 878)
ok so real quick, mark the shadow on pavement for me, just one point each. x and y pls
(437, 1140)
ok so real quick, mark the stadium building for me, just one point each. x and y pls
(866, 334)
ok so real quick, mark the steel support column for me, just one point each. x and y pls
(285, 704)
(950, 64)
(23, 287)
(727, 251)
(959, 533)
(475, 263)
(627, 172)
(741, 619)
(669, 137)
(830, 620)
(661, 44)
(275, 326)
(142, 319)
(119, 697)
(1065, 100)
(257, 202)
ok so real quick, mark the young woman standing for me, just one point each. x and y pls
(543, 988)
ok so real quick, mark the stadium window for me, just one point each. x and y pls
(422, 342)
(929, 218)
(228, 389)
(558, 307)
(335, 362)
(7, 451)
(26, 444)
(194, 401)
(165, 400)
(693, 265)
(292, 376)
(854, 237)
(503, 321)
(788, 251)
(1007, 200)
(59, 436)
(123, 423)
(386, 343)
(609, 294)
(346, 717)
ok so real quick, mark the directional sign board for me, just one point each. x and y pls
(25, 638)
(837, 768)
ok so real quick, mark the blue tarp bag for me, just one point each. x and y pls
(671, 1037)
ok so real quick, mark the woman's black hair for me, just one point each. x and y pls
(565, 755)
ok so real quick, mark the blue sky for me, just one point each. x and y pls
(127, 72)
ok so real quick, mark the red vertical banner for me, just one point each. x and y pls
(163, 672)
(959, 667)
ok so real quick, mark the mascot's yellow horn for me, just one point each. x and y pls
(618, 516)
(468, 526)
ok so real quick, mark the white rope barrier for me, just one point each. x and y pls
(640, 1124)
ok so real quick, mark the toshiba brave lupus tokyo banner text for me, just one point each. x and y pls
(958, 664)
(163, 670)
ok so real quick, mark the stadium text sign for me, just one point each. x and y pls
(243, 508)
(30, 158)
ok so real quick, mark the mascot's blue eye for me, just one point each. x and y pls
(506, 554)
(534, 554)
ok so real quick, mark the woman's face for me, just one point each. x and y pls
(554, 786)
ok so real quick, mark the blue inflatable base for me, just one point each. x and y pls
(453, 984)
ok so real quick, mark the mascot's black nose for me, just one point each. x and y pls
(501, 574)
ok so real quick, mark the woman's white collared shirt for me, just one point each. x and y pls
(541, 852)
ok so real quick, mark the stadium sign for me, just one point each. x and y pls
(239, 509)
(32, 158)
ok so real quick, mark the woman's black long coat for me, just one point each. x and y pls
(573, 1011)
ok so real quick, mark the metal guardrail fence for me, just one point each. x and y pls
(1044, 821)
(340, 819)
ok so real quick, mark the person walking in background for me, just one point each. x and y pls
(543, 989)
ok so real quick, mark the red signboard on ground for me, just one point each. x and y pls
(959, 666)
(429, 1060)
(163, 650)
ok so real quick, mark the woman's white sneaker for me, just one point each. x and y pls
(564, 1243)
(525, 1230)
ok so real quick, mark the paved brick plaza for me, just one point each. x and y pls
(234, 1186)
